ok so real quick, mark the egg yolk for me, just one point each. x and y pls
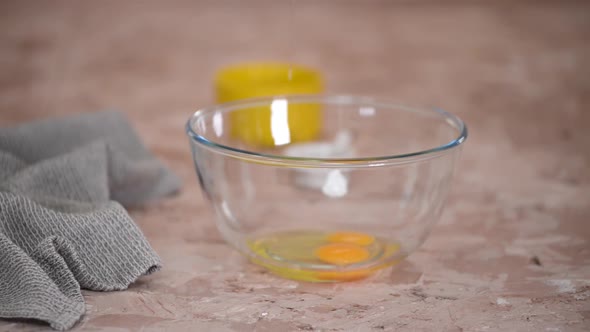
(360, 239)
(344, 275)
(341, 253)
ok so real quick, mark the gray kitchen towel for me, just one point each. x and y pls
(63, 184)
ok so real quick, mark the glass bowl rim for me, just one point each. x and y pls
(281, 160)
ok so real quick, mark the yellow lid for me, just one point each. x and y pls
(249, 80)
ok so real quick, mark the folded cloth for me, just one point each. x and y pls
(63, 182)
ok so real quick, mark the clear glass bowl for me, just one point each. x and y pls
(361, 195)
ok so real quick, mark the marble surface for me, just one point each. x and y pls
(511, 252)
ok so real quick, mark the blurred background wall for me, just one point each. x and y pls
(516, 71)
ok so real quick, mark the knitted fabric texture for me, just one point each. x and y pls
(63, 184)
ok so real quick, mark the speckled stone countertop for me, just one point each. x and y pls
(511, 252)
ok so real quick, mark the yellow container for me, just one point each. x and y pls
(262, 126)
